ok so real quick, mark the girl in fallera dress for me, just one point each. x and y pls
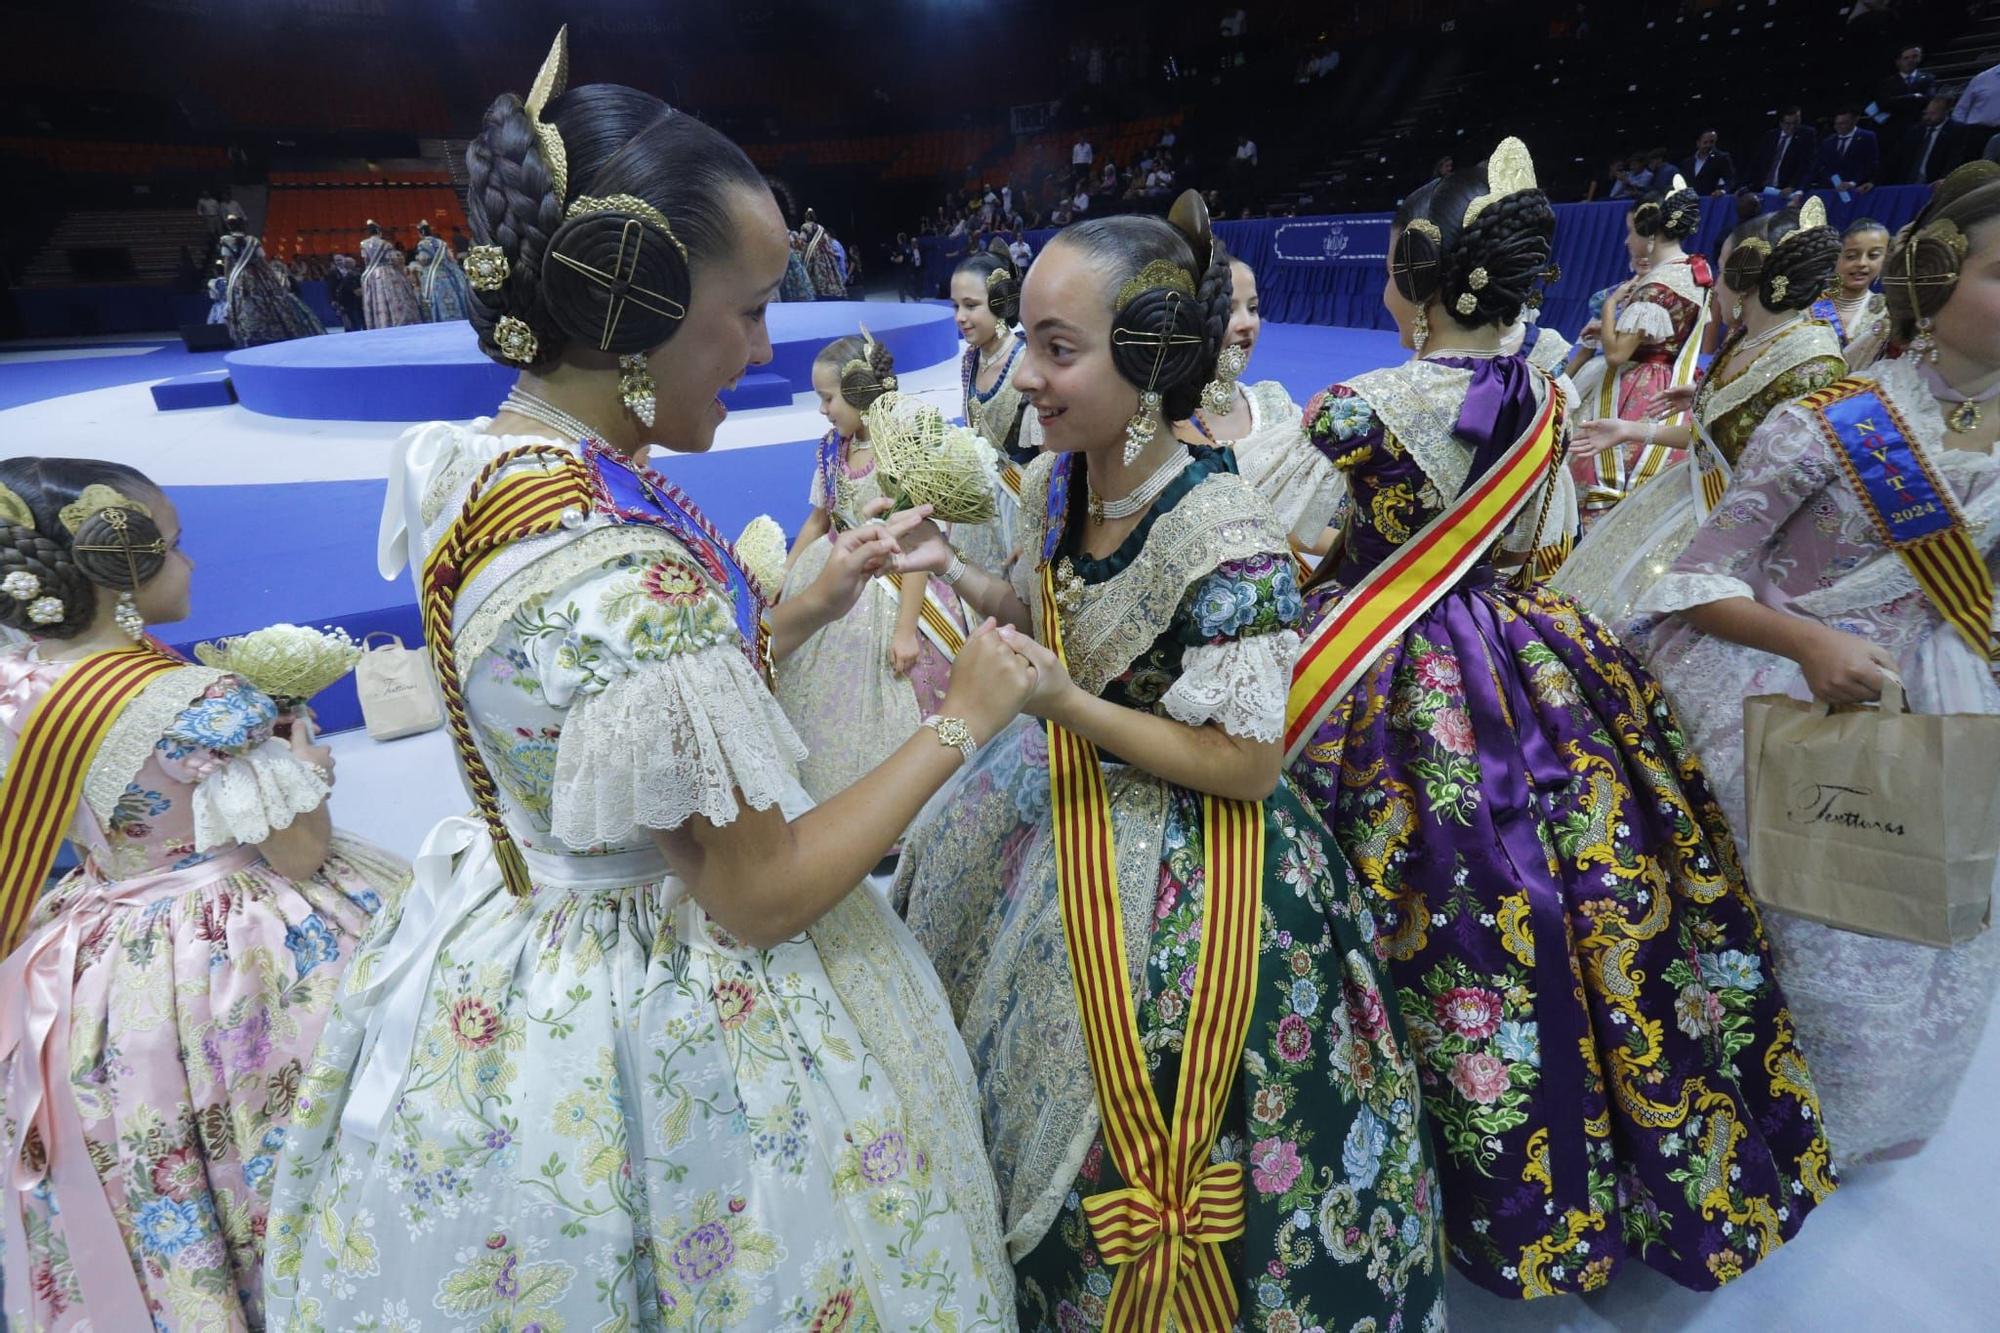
(160, 1004)
(1234, 1002)
(644, 1050)
(986, 302)
(1790, 588)
(387, 296)
(441, 285)
(1776, 351)
(1857, 313)
(1259, 423)
(1652, 335)
(859, 687)
(1607, 1058)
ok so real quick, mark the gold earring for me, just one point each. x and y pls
(1924, 345)
(1145, 424)
(1736, 311)
(1221, 391)
(635, 387)
(1420, 330)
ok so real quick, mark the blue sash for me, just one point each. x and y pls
(1823, 311)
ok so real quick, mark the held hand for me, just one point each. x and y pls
(859, 554)
(1674, 401)
(903, 654)
(1593, 437)
(1843, 668)
(989, 683)
(1052, 682)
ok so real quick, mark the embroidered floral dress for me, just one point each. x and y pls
(1637, 542)
(386, 295)
(1607, 1059)
(593, 1108)
(1665, 309)
(184, 982)
(1890, 1026)
(1303, 489)
(839, 690)
(446, 294)
(1192, 618)
(259, 307)
(1000, 416)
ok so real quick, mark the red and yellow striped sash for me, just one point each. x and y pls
(519, 505)
(1913, 508)
(1377, 610)
(1010, 476)
(933, 621)
(45, 777)
(1163, 1233)
(1611, 482)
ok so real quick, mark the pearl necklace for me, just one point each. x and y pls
(527, 405)
(1142, 498)
(1758, 340)
(989, 360)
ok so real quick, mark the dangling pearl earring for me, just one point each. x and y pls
(1923, 344)
(1143, 425)
(635, 387)
(128, 619)
(1420, 330)
(1736, 311)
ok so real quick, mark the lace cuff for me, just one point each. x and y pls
(1647, 319)
(1678, 592)
(1240, 686)
(248, 797)
(673, 738)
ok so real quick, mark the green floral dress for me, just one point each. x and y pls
(1193, 618)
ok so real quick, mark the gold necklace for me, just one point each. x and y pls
(1964, 418)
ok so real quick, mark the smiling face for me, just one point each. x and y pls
(1245, 320)
(969, 309)
(1968, 325)
(1066, 373)
(724, 333)
(1861, 257)
(843, 415)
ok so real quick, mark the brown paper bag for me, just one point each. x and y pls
(399, 695)
(1875, 820)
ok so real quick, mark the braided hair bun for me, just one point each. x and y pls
(1800, 269)
(1483, 271)
(41, 565)
(866, 369)
(1923, 267)
(1673, 215)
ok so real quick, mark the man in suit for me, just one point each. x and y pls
(1785, 158)
(1710, 170)
(1900, 97)
(1929, 149)
(1849, 155)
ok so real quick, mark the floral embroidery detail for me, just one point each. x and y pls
(312, 942)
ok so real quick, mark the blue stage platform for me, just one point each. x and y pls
(426, 372)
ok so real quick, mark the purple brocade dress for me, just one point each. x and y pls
(1606, 1056)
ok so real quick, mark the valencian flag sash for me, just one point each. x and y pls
(1377, 610)
(1163, 1233)
(935, 623)
(1708, 470)
(1913, 509)
(502, 507)
(44, 779)
(1610, 480)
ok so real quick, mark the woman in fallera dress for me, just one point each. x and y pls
(855, 690)
(1776, 351)
(387, 296)
(441, 282)
(644, 1050)
(1789, 587)
(986, 303)
(1652, 335)
(159, 1005)
(261, 308)
(1233, 1007)
(1857, 313)
(1259, 423)
(1607, 1059)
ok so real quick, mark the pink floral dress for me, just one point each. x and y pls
(178, 984)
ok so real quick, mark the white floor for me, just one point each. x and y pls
(1899, 1247)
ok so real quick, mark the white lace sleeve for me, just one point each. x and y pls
(1239, 685)
(1679, 592)
(1651, 321)
(672, 738)
(249, 796)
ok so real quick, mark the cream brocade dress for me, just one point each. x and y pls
(593, 1108)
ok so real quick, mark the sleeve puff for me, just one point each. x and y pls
(247, 783)
(1240, 625)
(1342, 425)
